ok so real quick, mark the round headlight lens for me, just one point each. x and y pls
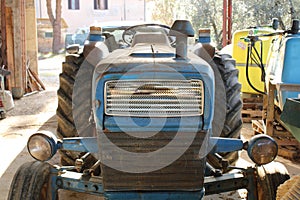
(262, 149)
(41, 146)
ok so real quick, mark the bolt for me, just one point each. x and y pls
(59, 183)
(95, 187)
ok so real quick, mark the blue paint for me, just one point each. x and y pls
(156, 55)
(222, 145)
(202, 39)
(285, 67)
(174, 124)
(95, 38)
(90, 144)
(291, 64)
(171, 195)
(80, 144)
(165, 69)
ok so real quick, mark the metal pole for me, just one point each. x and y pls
(40, 5)
(144, 10)
(124, 6)
(229, 22)
(224, 32)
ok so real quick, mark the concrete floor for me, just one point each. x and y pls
(37, 112)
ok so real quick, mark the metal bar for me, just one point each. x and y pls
(225, 144)
(224, 32)
(288, 87)
(171, 195)
(229, 22)
(79, 183)
(54, 188)
(86, 144)
(3, 33)
(252, 184)
(225, 183)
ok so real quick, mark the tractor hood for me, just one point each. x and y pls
(156, 63)
(153, 114)
(153, 56)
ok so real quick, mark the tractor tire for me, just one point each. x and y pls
(227, 121)
(269, 177)
(233, 119)
(31, 182)
(74, 103)
(289, 189)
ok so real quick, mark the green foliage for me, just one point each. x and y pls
(164, 11)
(209, 13)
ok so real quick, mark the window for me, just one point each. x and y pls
(73, 4)
(100, 5)
(48, 34)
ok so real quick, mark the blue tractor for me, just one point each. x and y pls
(154, 120)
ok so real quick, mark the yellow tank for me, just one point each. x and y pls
(239, 53)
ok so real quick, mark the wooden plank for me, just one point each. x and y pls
(287, 153)
(280, 133)
(19, 48)
(270, 109)
(258, 126)
(287, 142)
(9, 46)
(37, 79)
(17, 88)
(253, 106)
(3, 33)
(23, 42)
(31, 35)
(252, 112)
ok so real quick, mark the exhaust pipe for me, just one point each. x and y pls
(181, 29)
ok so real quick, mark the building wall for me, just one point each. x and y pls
(118, 10)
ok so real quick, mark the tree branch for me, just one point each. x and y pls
(292, 9)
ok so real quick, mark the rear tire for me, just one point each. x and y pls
(227, 121)
(233, 121)
(73, 114)
(232, 124)
(31, 182)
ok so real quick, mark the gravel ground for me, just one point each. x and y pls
(37, 112)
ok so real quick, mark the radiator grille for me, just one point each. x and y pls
(154, 98)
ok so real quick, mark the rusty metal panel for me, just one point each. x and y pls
(186, 173)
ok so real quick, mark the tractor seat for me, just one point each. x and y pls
(150, 38)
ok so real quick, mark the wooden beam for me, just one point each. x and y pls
(19, 48)
(3, 33)
(270, 109)
(31, 35)
(9, 46)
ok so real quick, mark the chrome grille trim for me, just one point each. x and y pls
(154, 98)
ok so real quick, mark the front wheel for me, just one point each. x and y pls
(31, 182)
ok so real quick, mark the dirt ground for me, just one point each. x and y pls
(37, 112)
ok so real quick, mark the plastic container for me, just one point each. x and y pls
(6, 99)
(239, 53)
(287, 73)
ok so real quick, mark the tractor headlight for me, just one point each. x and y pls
(42, 145)
(262, 149)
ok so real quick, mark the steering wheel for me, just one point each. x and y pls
(129, 33)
